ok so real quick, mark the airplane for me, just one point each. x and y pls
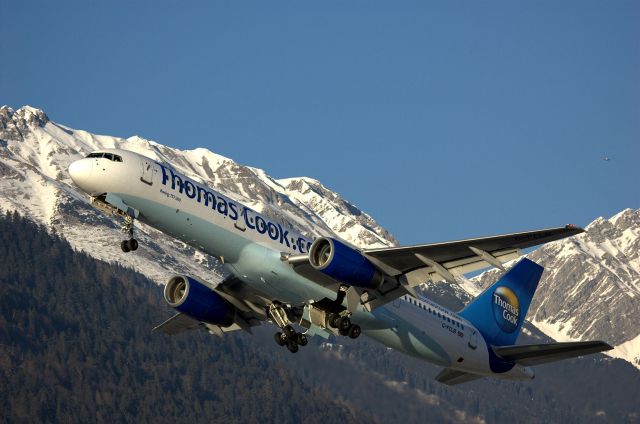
(326, 287)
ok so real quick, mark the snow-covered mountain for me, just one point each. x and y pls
(591, 286)
(35, 153)
(591, 289)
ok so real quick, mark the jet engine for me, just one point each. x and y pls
(198, 301)
(343, 263)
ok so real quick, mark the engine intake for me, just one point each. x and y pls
(343, 263)
(198, 301)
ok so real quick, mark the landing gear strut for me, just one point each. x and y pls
(288, 337)
(131, 244)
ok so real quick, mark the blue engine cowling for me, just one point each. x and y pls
(343, 263)
(198, 301)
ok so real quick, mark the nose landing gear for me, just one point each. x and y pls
(131, 244)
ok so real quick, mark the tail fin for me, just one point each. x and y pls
(499, 311)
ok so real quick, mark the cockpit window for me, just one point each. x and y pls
(110, 156)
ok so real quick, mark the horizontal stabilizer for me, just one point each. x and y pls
(177, 324)
(542, 353)
(452, 377)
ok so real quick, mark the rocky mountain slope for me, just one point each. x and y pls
(591, 285)
(590, 290)
(35, 153)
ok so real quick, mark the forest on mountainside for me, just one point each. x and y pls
(76, 346)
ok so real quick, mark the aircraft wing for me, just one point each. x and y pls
(411, 265)
(177, 324)
(180, 323)
(459, 257)
(537, 354)
(452, 377)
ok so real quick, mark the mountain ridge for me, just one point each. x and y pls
(35, 153)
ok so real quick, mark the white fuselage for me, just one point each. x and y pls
(251, 246)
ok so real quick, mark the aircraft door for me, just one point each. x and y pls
(473, 339)
(147, 171)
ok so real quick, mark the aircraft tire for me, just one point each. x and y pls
(125, 246)
(301, 339)
(133, 244)
(278, 337)
(344, 324)
(289, 331)
(354, 331)
(333, 320)
(292, 346)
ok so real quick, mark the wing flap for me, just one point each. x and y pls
(537, 354)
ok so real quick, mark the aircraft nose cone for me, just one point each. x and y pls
(80, 171)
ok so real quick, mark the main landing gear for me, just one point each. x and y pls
(326, 314)
(131, 244)
(288, 337)
(334, 315)
(345, 326)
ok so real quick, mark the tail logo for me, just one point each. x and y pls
(506, 308)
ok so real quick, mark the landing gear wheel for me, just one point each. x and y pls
(344, 324)
(280, 338)
(301, 339)
(133, 244)
(292, 346)
(129, 245)
(333, 320)
(289, 332)
(354, 331)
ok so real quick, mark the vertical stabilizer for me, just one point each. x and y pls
(499, 311)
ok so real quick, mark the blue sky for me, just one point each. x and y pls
(443, 120)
